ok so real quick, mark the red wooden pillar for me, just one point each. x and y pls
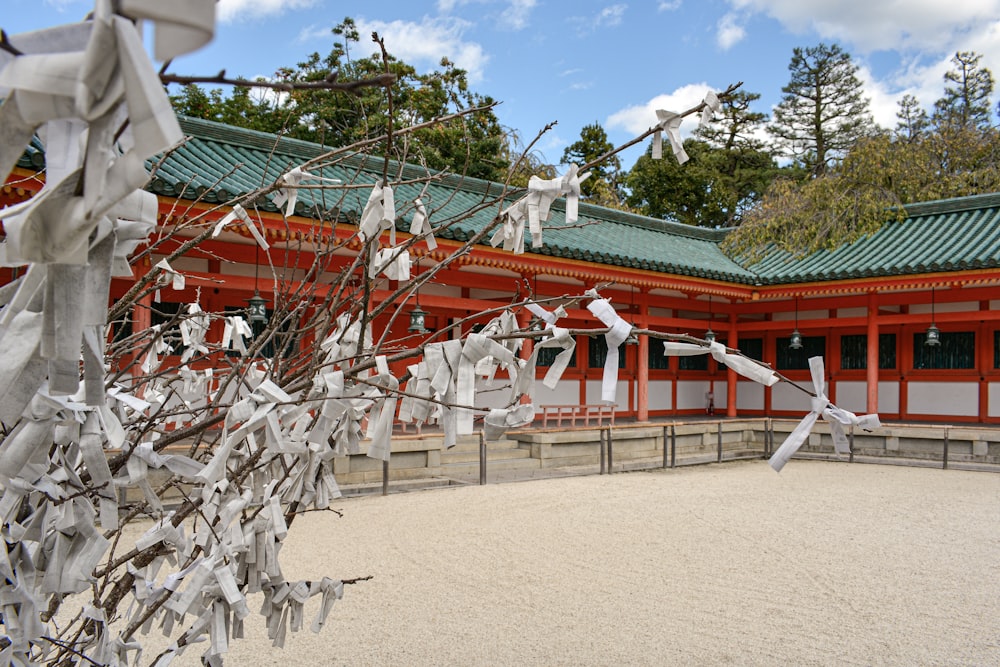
(872, 360)
(731, 376)
(527, 347)
(642, 374)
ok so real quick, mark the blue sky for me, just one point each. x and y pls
(582, 61)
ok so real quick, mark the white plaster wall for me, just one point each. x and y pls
(853, 396)
(721, 396)
(691, 395)
(660, 395)
(786, 397)
(567, 392)
(852, 312)
(594, 394)
(994, 399)
(749, 396)
(960, 399)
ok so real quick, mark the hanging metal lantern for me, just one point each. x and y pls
(418, 317)
(795, 341)
(710, 335)
(257, 308)
(933, 336)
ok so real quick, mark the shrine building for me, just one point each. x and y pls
(867, 307)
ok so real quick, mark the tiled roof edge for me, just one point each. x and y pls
(953, 205)
(207, 129)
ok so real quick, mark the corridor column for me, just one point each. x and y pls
(642, 375)
(872, 359)
(731, 376)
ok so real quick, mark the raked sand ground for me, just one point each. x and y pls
(824, 564)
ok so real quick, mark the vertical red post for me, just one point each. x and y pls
(872, 359)
(642, 376)
(733, 340)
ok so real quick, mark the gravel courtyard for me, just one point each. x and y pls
(826, 563)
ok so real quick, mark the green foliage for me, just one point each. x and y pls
(867, 189)
(913, 121)
(966, 103)
(727, 174)
(823, 111)
(603, 183)
(472, 145)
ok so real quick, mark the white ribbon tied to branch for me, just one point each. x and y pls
(421, 225)
(746, 367)
(821, 407)
(619, 331)
(240, 213)
(536, 208)
(525, 385)
(670, 123)
(379, 214)
(289, 192)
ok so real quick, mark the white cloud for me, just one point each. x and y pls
(668, 5)
(515, 17)
(923, 34)
(729, 33)
(874, 25)
(427, 42)
(609, 16)
(236, 10)
(639, 118)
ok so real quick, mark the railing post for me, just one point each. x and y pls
(611, 451)
(482, 457)
(385, 478)
(665, 454)
(945, 461)
(767, 436)
(673, 445)
(603, 460)
(719, 458)
(850, 440)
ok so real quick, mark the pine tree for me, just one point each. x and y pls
(966, 103)
(913, 121)
(823, 111)
(592, 144)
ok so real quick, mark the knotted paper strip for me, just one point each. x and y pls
(821, 407)
(420, 225)
(535, 208)
(290, 183)
(240, 213)
(620, 330)
(670, 123)
(745, 367)
(379, 214)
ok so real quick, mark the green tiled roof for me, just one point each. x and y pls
(946, 235)
(219, 162)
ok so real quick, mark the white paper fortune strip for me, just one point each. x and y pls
(379, 214)
(620, 329)
(821, 407)
(535, 208)
(290, 183)
(420, 224)
(670, 123)
(745, 367)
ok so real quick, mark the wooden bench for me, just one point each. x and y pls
(570, 413)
